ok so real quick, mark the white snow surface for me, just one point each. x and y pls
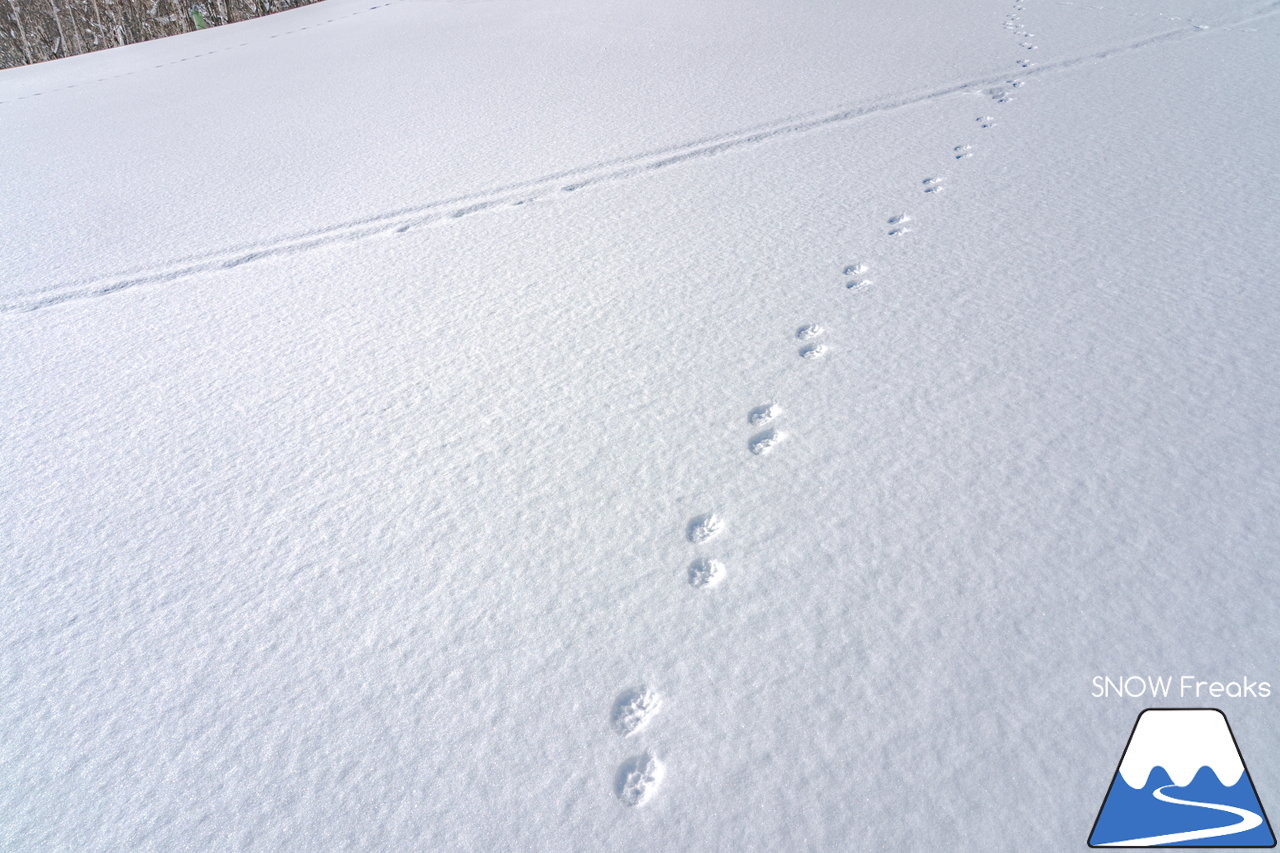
(364, 370)
(1182, 742)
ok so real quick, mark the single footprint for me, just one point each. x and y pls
(899, 219)
(809, 331)
(899, 231)
(855, 269)
(634, 709)
(705, 573)
(812, 351)
(638, 779)
(761, 443)
(761, 415)
(704, 528)
(862, 282)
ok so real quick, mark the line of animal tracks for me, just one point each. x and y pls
(639, 776)
(440, 211)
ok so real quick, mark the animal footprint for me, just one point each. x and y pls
(899, 219)
(704, 528)
(705, 573)
(932, 185)
(762, 443)
(963, 151)
(809, 331)
(813, 351)
(638, 779)
(862, 282)
(986, 121)
(634, 709)
(761, 415)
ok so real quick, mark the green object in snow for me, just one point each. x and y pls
(198, 18)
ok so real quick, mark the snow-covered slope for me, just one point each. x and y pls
(382, 398)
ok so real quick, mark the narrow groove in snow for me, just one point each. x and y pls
(456, 207)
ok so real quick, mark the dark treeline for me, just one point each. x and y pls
(36, 30)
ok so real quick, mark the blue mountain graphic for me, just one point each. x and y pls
(1130, 813)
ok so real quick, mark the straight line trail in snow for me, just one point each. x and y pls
(399, 221)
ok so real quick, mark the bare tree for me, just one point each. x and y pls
(27, 55)
(62, 35)
(39, 30)
(100, 32)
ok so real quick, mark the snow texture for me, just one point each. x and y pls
(372, 375)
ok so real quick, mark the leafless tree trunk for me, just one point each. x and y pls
(97, 18)
(22, 33)
(57, 19)
(77, 29)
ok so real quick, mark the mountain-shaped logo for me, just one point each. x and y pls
(1181, 783)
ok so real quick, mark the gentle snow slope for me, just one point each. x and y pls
(381, 539)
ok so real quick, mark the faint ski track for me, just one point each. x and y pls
(404, 219)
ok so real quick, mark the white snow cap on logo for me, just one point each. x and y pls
(1181, 742)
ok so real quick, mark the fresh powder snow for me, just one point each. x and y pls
(576, 425)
